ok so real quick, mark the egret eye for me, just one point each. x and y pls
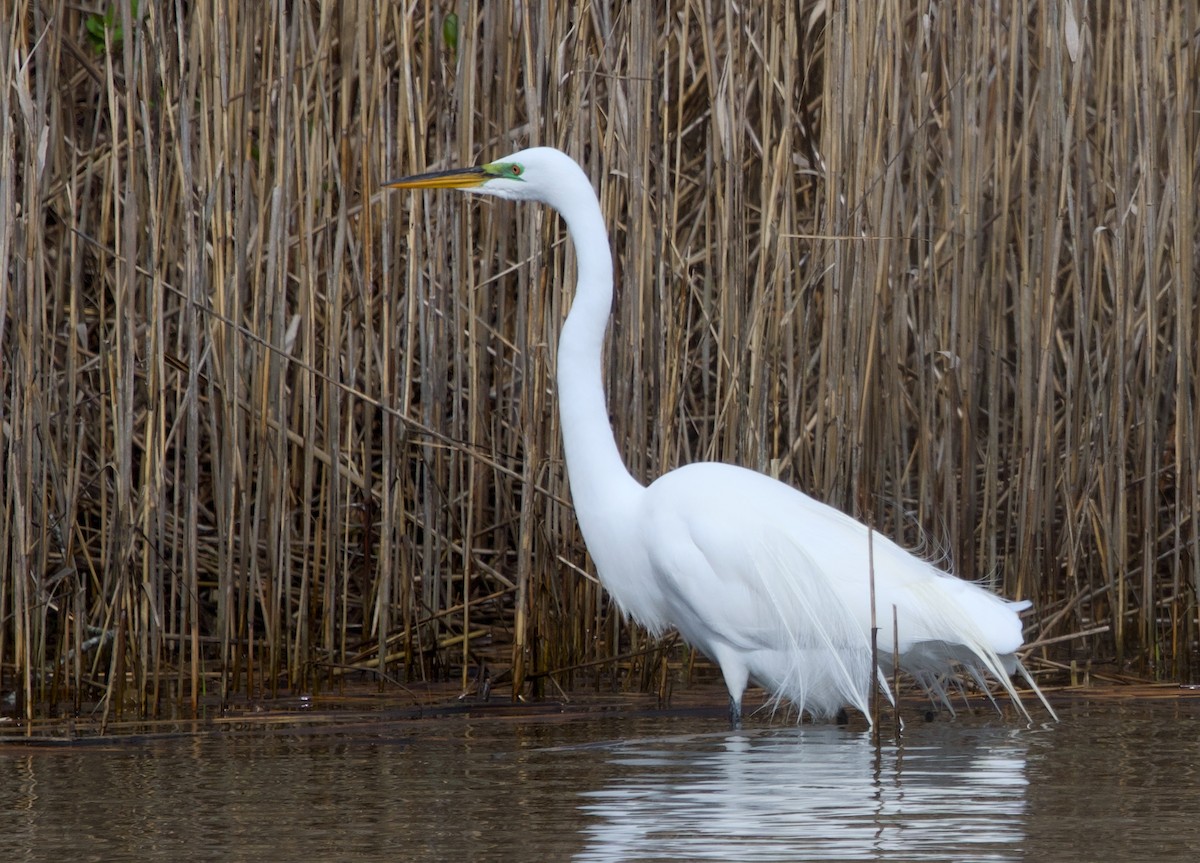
(516, 170)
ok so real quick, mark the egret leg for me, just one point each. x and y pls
(736, 675)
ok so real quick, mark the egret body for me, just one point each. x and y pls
(769, 583)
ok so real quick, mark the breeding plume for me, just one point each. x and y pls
(770, 584)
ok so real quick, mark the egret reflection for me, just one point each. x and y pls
(812, 793)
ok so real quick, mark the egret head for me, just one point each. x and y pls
(537, 174)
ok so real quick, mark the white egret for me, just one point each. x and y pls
(769, 583)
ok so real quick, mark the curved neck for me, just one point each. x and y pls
(598, 476)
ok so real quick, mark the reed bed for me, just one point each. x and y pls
(266, 428)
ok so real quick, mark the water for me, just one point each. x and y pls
(1112, 781)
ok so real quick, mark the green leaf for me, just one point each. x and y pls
(108, 25)
(450, 32)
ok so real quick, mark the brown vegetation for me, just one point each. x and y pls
(263, 425)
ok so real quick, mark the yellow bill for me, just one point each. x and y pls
(458, 178)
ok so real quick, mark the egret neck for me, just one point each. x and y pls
(599, 480)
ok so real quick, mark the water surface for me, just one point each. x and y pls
(1112, 781)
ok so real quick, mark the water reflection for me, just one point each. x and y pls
(1110, 782)
(815, 793)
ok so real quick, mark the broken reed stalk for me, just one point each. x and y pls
(874, 685)
(898, 724)
(259, 418)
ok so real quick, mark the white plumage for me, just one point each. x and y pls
(770, 584)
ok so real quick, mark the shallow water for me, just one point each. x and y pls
(1112, 781)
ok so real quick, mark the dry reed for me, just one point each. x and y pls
(263, 424)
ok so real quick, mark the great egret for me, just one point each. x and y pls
(767, 582)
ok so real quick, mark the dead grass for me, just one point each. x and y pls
(262, 423)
